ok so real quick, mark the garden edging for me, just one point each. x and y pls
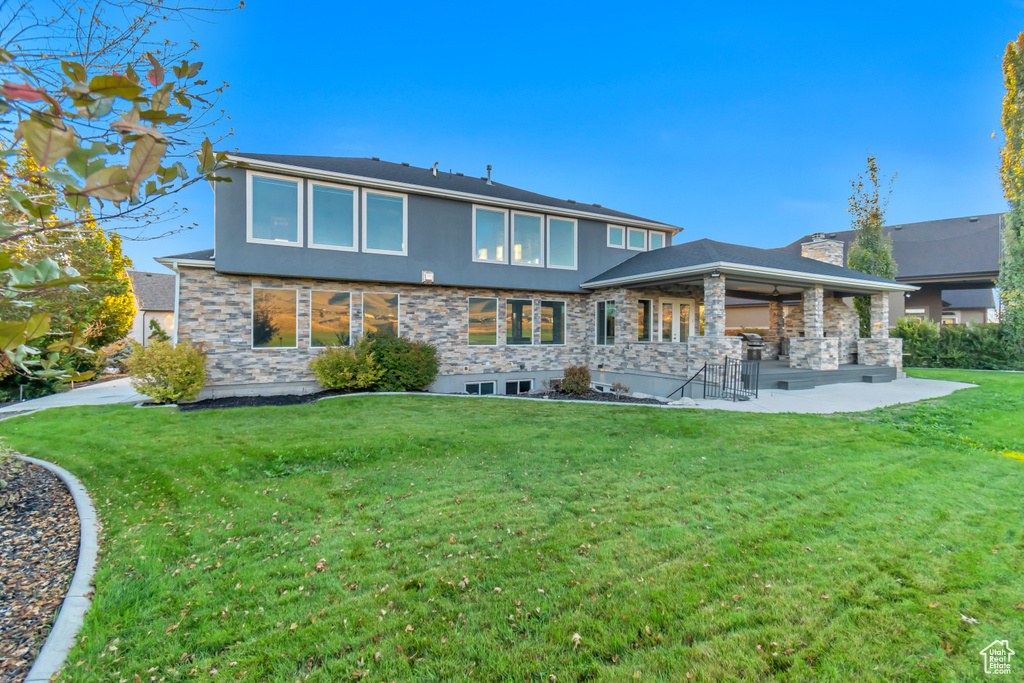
(79, 596)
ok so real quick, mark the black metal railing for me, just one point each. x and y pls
(734, 380)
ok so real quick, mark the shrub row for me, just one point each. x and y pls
(377, 362)
(929, 345)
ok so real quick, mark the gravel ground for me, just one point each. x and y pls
(38, 551)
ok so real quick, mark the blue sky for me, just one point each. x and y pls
(737, 122)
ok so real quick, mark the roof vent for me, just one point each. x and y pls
(831, 235)
(973, 219)
(817, 237)
(459, 174)
(489, 175)
(897, 227)
(405, 163)
(375, 158)
(597, 205)
(571, 201)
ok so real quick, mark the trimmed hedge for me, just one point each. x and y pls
(378, 362)
(980, 347)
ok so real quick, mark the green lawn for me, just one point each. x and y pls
(438, 538)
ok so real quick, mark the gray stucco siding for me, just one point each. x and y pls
(439, 240)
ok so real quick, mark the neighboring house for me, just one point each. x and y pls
(154, 300)
(954, 261)
(510, 286)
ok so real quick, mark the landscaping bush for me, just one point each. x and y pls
(168, 372)
(114, 356)
(346, 367)
(404, 365)
(575, 379)
(928, 345)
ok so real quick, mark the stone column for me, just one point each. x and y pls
(714, 306)
(776, 320)
(880, 315)
(814, 312)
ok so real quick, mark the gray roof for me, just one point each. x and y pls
(201, 255)
(445, 180)
(958, 299)
(705, 251)
(155, 291)
(931, 249)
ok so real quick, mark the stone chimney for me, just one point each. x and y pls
(820, 248)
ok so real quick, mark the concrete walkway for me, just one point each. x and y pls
(105, 393)
(840, 398)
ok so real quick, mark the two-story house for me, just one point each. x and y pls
(509, 285)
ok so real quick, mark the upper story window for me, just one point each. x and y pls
(637, 239)
(657, 240)
(385, 222)
(616, 236)
(490, 235)
(562, 243)
(527, 239)
(332, 216)
(273, 210)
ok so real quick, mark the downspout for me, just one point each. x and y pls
(177, 288)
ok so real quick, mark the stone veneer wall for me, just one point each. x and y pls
(814, 353)
(881, 352)
(840, 321)
(215, 309)
(829, 251)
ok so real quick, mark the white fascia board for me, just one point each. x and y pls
(779, 274)
(173, 263)
(451, 194)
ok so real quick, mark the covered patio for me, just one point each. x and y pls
(820, 335)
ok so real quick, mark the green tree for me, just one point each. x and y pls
(109, 110)
(871, 250)
(1011, 171)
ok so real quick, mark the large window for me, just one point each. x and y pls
(384, 223)
(527, 239)
(480, 388)
(657, 240)
(489, 233)
(274, 318)
(483, 321)
(637, 239)
(552, 322)
(643, 320)
(329, 323)
(274, 210)
(616, 236)
(605, 323)
(380, 313)
(518, 321)
(332, 217)
(561, 243)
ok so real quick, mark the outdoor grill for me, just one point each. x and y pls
(754, 344)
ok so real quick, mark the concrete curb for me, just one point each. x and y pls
(72, 612)
(508, 398)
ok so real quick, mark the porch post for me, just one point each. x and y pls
(880, 315)
(814, 312)
(776, 320)
(714, 306)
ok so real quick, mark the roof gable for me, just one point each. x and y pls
(154, 291)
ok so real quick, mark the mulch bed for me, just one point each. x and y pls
(38, 551)
(600, 396)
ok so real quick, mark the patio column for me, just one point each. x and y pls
(814, 312)
(776, 320)
(714, 306)
(880, 315)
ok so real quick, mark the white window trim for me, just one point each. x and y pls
(405, 223)
(310, 184)
(497, 325)
(362, 310)
(249, 175)
(331, 291)
(533, 317)
(617, 227)
(575, 242)
(252, 316)
(596, 329)
(504, 213)
(650, 321)
(630, 231)
(565, 322)
(650, 242)
(512, 242)
(494, 386)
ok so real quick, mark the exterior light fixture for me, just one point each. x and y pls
(427, 277)
(715, 273)
(775, 292)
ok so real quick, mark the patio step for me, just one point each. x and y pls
(876, 378)
(795, 384)
(776, 375)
